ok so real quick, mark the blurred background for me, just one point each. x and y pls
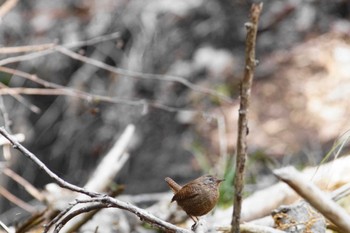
(300, 98)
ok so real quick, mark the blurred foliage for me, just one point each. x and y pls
(258, 158)
(202, 159)
(5, 78)
(226, 187)
(225, 90)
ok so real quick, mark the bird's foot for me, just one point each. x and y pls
(194, 226)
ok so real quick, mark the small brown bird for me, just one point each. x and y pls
(197, 197)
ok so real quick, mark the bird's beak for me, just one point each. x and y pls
(220, 180)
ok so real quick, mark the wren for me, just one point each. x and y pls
(197, 197)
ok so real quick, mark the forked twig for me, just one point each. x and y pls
(141, 213)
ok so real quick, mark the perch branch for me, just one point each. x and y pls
(141, 213)
(79, 211)
(246, 85)
(315, 197)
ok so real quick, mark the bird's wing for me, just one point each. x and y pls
(185, 193)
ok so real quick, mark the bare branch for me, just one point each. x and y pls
(26, 57)
(139, 75)
(26, 48)
(62, 90)
(65, 91)
(64, 49)
(23, 101)
(246, 85)
(50, 46)
(80, 211)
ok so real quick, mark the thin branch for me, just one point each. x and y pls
(58, 217)
(312, 194)
(26, 48)
(15, 200)
(86, 96)
(80, 220)
(62, 90)
(73, 93)
(50, 46)
(79, 211)
(139, 75)
(30, 77)
(65, 91)
(50, 49)
(246, 85)
(64, 49)
(26, 57)
(23, 101)
(24, 183)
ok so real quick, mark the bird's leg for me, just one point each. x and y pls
(195, 219)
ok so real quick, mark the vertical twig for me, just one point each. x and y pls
(246, 84)
(5, 115)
